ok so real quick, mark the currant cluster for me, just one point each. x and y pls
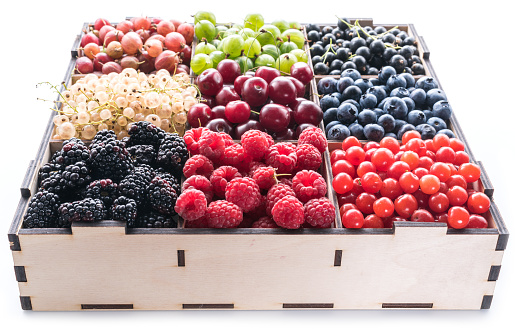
(386, 106)
(135, 180)
(251, 44)
(141, 43)
(256, 183)
(115, 101)
(263, 100)
(335, 49)
(415, 180)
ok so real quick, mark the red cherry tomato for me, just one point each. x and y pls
(353, 218)
(458, 217)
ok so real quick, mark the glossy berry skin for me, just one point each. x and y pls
(282, 90)
(342, 183)
(365, 167)
(199, 115)
(365, 202)
(308, 112)
(438, 202)
(405, 205)
(478, 203)
(267, 73)
(383, 207)
(343, 166)
(337, 155)
(470, 171)
(350, 141)
(371, 182)
(422, 215)
(274, 117)
(477, 221)
(441, 170)
(229, 69)
(429, 184)
(353, 218)
(355, 155)
(237, 111)
(210, 82)
(255, 91)
(373, 221)
(397, 169)
(391, 188)
(457, 195)
(458, 217)
(382, 158)
(409, 182)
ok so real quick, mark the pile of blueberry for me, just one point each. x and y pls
(386, 106)
(366, 49)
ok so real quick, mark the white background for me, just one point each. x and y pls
(472, 52)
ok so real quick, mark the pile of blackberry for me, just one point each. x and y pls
(135, 180)
(366, 49)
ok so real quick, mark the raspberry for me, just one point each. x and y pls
(265, 177)
(227, 139)
(223, 214)
(191, 138)
(243, 192)
(288, 212)
(234, 155)
(200, 183)
(259, 211)
(256, 143)
(199, 223)
(198, 164)
(246, 222)
(319, 213)
(309, 185)
(314, 136)
(191, 204)
(282, 156)
(254, 165)
(286, 181)
(265, 222)
(308, 157)
(212, 145)
(276, 192)
(221, 176)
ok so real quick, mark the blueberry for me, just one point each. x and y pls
(400, 92)
(343, 83)
(409, 103)
(429, 113)
(373, 132)
(437, 123)
(379, 92)
(367, 116)
(379, 112)
(338, 96)
(418, 95)
(398, 125)
(416, 117)
(352, 92)
(353, 102)
(395, 81)
(396, 107)
(363, 84)
(410, 80)
(330, 115)
(405, 128)
(375, 81)
(381, 104)
(434, 95)
(372, 71)
(426, 83)
(330, 125)
(347, 113)
(352, 73)
(442, 109)
(368, 100)
(387, 122)
(338, 132)
(328, 101)
(390, 135)
(447, 132)
(327, 85)
(386, 72)
(426, 131)
(356, 130)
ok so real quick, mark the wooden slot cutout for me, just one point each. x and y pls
(309, 305)
(207, 306)
(181, 260)
(26, 303)
(408, 305)
(106, 306)
(20, 274)
(338, 258)
(494, 272)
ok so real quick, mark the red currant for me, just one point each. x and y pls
(456, 180)
(342, 183)
(456, 144)
(411, 158)
(470, 171)
(371, 182)
(391, 188)
(383, 207)
(365, 202)
(441, 170)
(391, 144)
(478, 203)
(457, 196)
(365, 167)
(407, 136)
(343, 167)
(422, 215)
(458, 217)
(373, 221)
(477, 221)
(409, 182)
(429, 184)
(355, 155)
(438, 202)
(382, 158)
(337, 155)
(446, 155)
(397, 169)
(353, 218)
(440, 141)
(350, 141)
(405, 205)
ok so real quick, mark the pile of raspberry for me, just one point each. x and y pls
(256, 183)
(414, 180)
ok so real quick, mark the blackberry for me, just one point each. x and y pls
(162, 196)
(143, 154)
(86, 210)
(47, 170)
(134, 186)
(144, 132)
(145, 171)
(104, 136)
(171, 179)
(110, 159)
(42, 210)
(73, 151)
(52, 183)
(154, 219)
(125, 209)
(172, 153)
(75, 176)
(103, 189)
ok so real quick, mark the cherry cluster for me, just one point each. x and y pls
(415, 180)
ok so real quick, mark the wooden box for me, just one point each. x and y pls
(107, 266)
